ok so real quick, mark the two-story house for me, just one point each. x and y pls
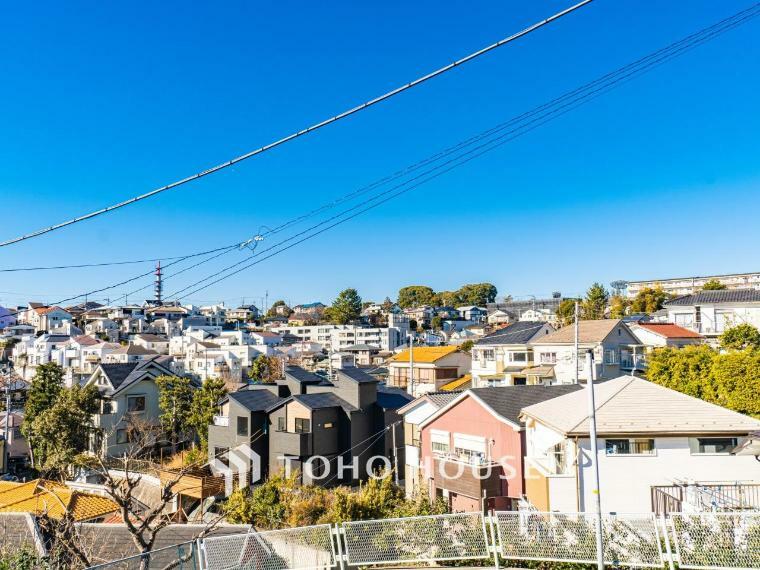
(154, 342)
(615, 349)
(504, 357)
(655, 335)
(431, 367)
(473, 313)
(652, 441)
(710, 313)
(129, 399)
(473, 447)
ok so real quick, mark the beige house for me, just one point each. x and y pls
(615, 350)
(433, 366)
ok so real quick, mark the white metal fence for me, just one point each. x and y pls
(714, 541)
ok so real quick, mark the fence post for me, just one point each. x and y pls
(201, 549)
(341, 555)
(494, 547)
(666, 536)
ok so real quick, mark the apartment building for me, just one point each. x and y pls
(710, 313)
(689, 285)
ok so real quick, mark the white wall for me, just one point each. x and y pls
(626, 480)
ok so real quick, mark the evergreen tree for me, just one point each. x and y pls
(175, 396)
(346, 308)
(204, 407)
(45, 388)
(595, 302)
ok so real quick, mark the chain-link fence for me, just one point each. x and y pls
(629, 540)
(178, 557)
(710, 541)
(299, 548)
(435, 538)
(717, 540)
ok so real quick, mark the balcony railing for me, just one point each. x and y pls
(705, 497)
(631, 362)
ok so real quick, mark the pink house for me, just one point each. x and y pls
(473, 448)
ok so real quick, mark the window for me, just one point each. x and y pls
(106, 407)
(518, 357)
(630, 446)
(122, 436)
(548, 358)
(135, 403)
(712, 445)
(242, 425)
(328, 425)
(17, 433)
(440, 441)
(610, 356)
(303, 425)
(489, 354)
(440, 447)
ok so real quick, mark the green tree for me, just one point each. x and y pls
(446, 299)
(687, 370)
(618, 307)
(649, 300)
(436, 323)
(595, 302)
(477, 293)
(346, 308)
(737, 381)
(466, 346)
(566, 312)
(740, 337)
(45, 388)
(62, 431)
(175, 397)
(415, 296)
(265, 369)
(204, 407)
(713, 285)
(272, 312)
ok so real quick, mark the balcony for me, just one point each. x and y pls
(633, 362)
(221, 421)
(469, 479)
(291, 443)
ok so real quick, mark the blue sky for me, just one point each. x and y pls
(103, 101)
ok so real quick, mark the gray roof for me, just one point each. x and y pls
(303, 376)
(390, 398)
(520, 332)
(356, 374)
(323, 400)
(123, 375)
(720, 296)
(508, 401)
(440, 399)
(359, 347)
(257, 400)
(107, 542)
(117, 373)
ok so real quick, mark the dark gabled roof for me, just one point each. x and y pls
(390, 398)
(520, 332)
(303, 376)
(55, 337)
(720, 296)
(117, 373)
(326, 400)
(257, 400)
(508, 401)
(356, 374)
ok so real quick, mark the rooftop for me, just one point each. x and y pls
(629, 405)
(669, 330)
(720, 296)
(589, 331)
(520, 332)
(48, 497)
(426, 354)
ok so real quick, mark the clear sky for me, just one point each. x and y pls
(103, 101)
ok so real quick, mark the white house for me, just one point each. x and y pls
(473, 313)
(649, 438)
(653, 335)
(710, 313)
(505, 357)
(49, 319)
(159, 344)
(615, 349)
(130, 353)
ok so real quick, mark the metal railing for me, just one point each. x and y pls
(676, 498)
(711, 541)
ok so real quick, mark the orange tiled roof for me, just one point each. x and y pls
(54, 499)
(426, 354)
(669, 330)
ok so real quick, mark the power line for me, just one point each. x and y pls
(599, 87)
(305, 131)
(109, 263)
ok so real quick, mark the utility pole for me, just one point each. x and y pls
(410, 384)
(6, 443)
(577, 356)
(595, 494)
(395, 455)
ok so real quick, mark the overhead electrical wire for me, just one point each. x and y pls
(597, 88)
(297, 134)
